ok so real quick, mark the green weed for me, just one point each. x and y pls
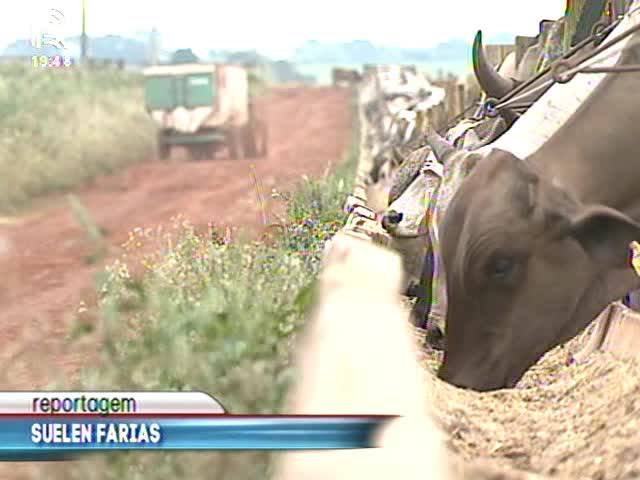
(60, 128)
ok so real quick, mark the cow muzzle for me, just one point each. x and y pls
(391, 219)
(482, 377)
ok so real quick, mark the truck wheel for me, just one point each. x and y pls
(164, 149)
(199, 152)
(234, 143)
(250, 150)
(263, 141)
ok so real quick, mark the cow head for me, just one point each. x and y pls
(527, 267)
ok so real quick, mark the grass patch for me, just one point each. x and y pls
(61, 127)
(210, 315)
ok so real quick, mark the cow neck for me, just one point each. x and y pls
(594, 154)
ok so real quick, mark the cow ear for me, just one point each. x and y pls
(605, 234)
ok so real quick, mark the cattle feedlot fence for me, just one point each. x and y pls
(617, 328)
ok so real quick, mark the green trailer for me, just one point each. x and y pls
(204, 107)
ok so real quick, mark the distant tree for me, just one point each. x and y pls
(247, 57)
(283, 71)
(184, 55)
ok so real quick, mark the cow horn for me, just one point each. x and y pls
(441, 148)
(494, 84)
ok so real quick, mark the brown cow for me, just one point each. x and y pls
(534, 249)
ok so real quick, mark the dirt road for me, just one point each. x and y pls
(42, 256)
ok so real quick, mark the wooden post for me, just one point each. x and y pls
(449, 101)
(545, 26)
(431, 117)
(83, 36)
(445, 117)
(420, 120)
(442, 115)
(618, 7)
(522, 44)
(436, 117)
(460, 97)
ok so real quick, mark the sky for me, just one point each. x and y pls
(276, 27)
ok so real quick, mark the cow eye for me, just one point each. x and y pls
(501, 267)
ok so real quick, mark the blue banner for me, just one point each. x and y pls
(65, 437)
